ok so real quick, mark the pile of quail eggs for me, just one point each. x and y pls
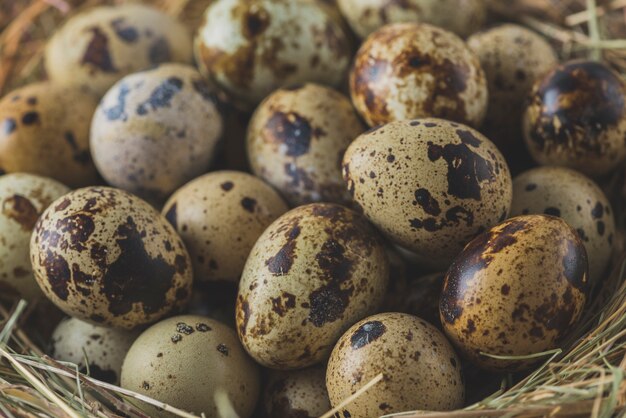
(218, 223)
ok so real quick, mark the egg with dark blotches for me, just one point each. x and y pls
(97, 47)
(97, 351)
(568, 194)
(576, 118)
(420, 369)
(195, 364)
(156, 130)
(429, 185)
(517, 290)
(297, 393)
(462, 17)
(105, 256)
(44, 130)
(315, 271)
(296, 140)
(404, 71)
(23, 197)
(220, 216)
(251, 48)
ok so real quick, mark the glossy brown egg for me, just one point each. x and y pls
(420, 369)
(297, 393)
(315, 271)
(405, 71)
(516, 290)
(576, 117)
(430, 185)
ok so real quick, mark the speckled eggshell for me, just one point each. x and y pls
(219, 217)
(462, 17)
(23, 197)
(44, 130)
(104, 348)
(421, 298)
(315, 271)
(99, 46)
(578, 200)
(185, 361)
(250, 48)
(106, 256)
(576, 117)
(513, 58)
(299, 393)
(430, 185)
(516, 290)
(406, 70)
(420, 369)
(296, 140)
(156, 130)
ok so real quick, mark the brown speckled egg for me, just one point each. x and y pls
(99, 46)
(315, 271)
(516, 290)
(23, 197)
(44, 130)
(250, 48)
(578, 200)
(513, 58)
(422, 298)
(420, 369)
(297, 394)
(106, 256)
(156, 130)
(405, 71)
(462, 17)
(189, 361)
(430, 185)
(219, 217)
(105, 348)
(296, 140)
(576, 117)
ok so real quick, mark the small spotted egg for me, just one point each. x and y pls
(251, 48)
(192, 363)
(97, 47)
(44, 130)
(576, 117)
(297, 394)
(106, 256)
(430, 185)
(23, 197)
(296, 140)
(315, 271)
(420, 369)
(156, 130)
(97, 351)
(578, 200)
(220, 216)
(516, 290)
(405, 71)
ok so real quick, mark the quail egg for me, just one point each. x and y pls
(299, 393)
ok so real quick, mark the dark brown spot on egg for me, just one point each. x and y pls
(58, 274)
(281, 263)
(427, 202)
(9, 126)
(176, 338)
(367, 333)
(530, 187)
(97, 52)
(184, 328)
(289, 129)
(30, 118)
(82, 281)
(78, 229)
(227, 186)
(328, 303)
(505, 289)
(367, 82)
(159, 51)
(598, 211)
(222, 349)
(600, 228)
(283, 303)
(21, 210)
(161, 96)
(200, 327)
(125, 32)
(255, 22)
(243, 314)
(248, 204)
(118, 112)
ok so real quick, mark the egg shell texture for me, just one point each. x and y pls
(252, 47)
(297, 394)
(219, 217)
(515, 290)
(405, 71)
(156, 130)
(565, 193)
(297, 138)
(430, 185)
(107, 257)
(44, 130)
(23, 197)
(576, 117)
(97, 47)
(420, 369)
(185, 361)
(314, 272)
